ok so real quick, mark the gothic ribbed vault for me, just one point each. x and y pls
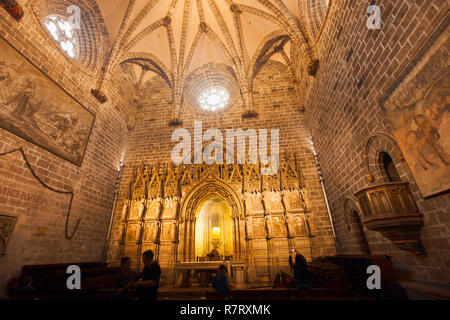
(172, 38)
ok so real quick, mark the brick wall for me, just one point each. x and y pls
(357, 66)
(342, 113)
(277, 105)
(93, 182)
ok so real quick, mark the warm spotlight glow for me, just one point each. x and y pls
(216, 233)
(214, 99)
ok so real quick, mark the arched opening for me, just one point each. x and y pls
(389, 167)
(359, 232)
(206, 201)
(213, 230)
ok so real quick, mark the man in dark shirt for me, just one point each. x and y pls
(124, 280)
(148, 286)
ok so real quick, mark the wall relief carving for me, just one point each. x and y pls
(262, 210)
(7, 225)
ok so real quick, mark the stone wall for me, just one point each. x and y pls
(277, 105)
(93, 182)
(357, 67)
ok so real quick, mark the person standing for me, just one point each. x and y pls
(148, 285)
(220, 282)
(301, 274)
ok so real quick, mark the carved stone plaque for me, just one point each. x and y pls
(7, 224)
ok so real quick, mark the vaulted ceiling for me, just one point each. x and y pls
(172, 38)
(182, 44)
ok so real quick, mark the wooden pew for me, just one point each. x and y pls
(48, 282)
(355, 267)
(287, 294)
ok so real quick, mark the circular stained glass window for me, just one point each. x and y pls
(214, 99)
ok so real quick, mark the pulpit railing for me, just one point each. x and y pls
(390, 209)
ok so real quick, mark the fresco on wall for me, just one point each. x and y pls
(34, 108)
(418, 109)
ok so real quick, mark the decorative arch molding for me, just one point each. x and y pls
(211, 185)
(351, 205)
(314, 19)
(144, 57)
(265, 45)
(389, 207)
(92, 39)
(278, 19)
(353, 221)
(377, 143)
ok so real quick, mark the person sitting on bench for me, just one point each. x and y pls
(301, 274)
(124, 280)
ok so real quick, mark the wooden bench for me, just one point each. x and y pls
(355, 267)
(48, 282)
(287, 294)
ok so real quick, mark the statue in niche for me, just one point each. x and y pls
(132, 233)
(135, 209)
(121, 230)
(141, 209)
(153, 208)
(299, 226)
(255, 204)
(277, 226)
(124, 211)
(258, 228)
(294, 199)
(275, 202)
(168, 231)
(149, 233)
(170, 207)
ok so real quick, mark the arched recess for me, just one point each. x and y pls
(314, 14)
(92, 38)
(376, 145)
(187, 220)
(292, 28)
(150, 61)
(269, 46)
(213, 228)
(352, 219)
